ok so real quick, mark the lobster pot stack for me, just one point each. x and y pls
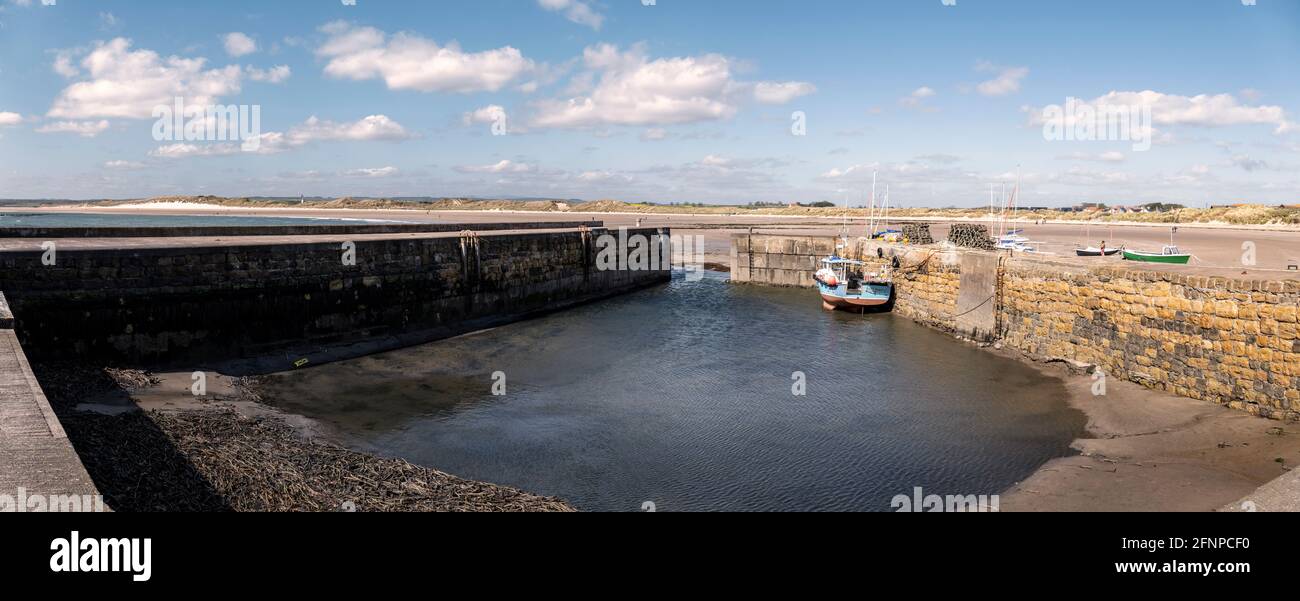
(971, 235)
(918, 233)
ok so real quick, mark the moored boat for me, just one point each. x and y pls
(845, 284)
(1093, 251)
(1170, 254)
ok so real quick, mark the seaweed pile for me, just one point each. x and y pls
(217, 459)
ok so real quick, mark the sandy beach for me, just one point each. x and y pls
(1152, 451)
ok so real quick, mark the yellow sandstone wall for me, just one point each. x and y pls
(1230, 341)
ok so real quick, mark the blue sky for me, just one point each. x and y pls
(679, 101)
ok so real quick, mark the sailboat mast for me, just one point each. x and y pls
(1015, 200)
(871, 224)
(1002, 214)
(886, 226)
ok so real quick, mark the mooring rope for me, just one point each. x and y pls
(986, 301)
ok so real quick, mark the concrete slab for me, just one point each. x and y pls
(1282, 494)
(977, 307)
(39, 469)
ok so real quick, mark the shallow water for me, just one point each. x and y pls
(681, 395)
(134, 220)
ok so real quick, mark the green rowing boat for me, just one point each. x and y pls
(1170, 254)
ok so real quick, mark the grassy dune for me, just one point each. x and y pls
(1239, 215)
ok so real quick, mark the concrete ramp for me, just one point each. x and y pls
(39, 469)
(1282, 494)
(977, 302)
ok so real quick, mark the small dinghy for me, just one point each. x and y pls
(1093, 251)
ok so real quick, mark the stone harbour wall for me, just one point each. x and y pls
(176, 305)
(1229, 341)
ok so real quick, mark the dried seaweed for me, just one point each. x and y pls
(217, 459)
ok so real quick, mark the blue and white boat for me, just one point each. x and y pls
(846, 284)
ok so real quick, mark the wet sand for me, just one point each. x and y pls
(1152, 451)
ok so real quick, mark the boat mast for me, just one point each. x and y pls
(886, 226)
(871, 221)
(1002, 213)
(991, 192)
(1015, 200)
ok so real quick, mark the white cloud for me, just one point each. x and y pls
(374, 127)
(1202, 110)
(603, 177)
(771, 92)
(1249, 164)
(909, 172)
(1078, 176)
(108, 21)
(388, 171)
(917, 96)
(1006, 82)
(9, 119)
(504, 166)
(63, 64)
(183, 150)
(578, 11)
(275, 74)
(130, 83)
(627, 88)
(489, 114)
(238, 44)
(654, 134)
(85, 129)
(123, 165)
(314, 129)
(1113, 156)
(409, 62)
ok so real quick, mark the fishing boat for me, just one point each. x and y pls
(1170, 254)
(846, 285)
(1093, 251)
